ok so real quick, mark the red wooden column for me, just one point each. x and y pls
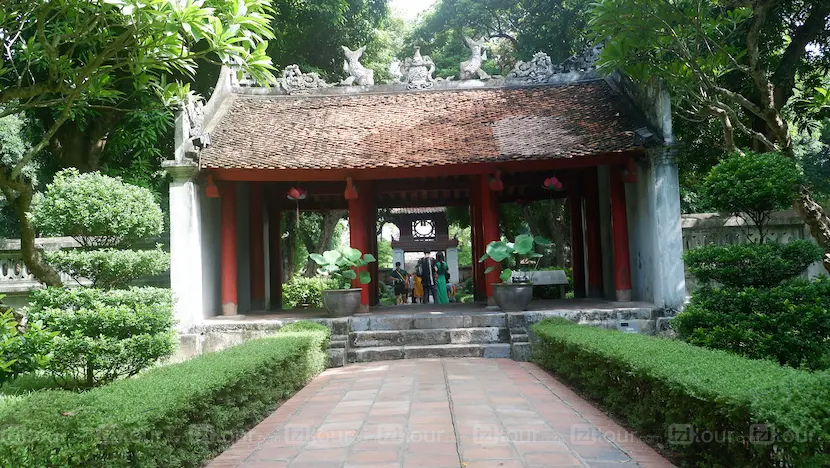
(359, 228)
(593, 243)
(479, 288)
(230, 301)
(619, 226)
(577, 241)
(257, 248)
(275, 252)
(489, 224)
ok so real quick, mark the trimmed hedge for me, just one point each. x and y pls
(178, 415)
(736, 411)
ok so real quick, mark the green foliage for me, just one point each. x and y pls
(789, 323)
(109, 268)
(302, 326)
(97, 210)
(499, 251)
(23, 348)
(753, 185)
(178, 415)
(302, 291)
(660, 387)
(104, 335)
(751, 264)
(344, 266)
(385, 256)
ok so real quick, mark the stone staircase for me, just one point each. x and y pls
(411, 336)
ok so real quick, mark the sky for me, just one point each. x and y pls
(409, 9)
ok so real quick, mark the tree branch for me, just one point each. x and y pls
(812, 27)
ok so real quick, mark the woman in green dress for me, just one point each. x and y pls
(441, 281)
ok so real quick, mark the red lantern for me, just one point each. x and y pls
(296, 194)
(552, 184)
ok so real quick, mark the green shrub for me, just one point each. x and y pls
(308, 326)
(789, 323)
(667, 389)
(104, 335)
(751, 264)
(23, 347)
(109, 268)
(97, 210)
(87, 298)
(178, 415)
(753, 186)
(302, 291)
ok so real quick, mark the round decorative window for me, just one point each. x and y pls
(423, 229)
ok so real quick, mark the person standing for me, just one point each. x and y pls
(399, 281)
(441, 269)
(428, 274)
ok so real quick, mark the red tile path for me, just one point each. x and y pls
(436, 413)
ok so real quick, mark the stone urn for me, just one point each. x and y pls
(512, 297)
(341, 302)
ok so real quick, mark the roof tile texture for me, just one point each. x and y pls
(416, 129)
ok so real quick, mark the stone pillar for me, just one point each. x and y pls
(398, 255)
(452, 264)
(670, 290)
(619, 226)
(230, 300)
(185, 244)
(257, 248)
(593, 242)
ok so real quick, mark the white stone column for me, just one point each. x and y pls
(670, 290)
(185, 244)
(398, 256)
(452, 263)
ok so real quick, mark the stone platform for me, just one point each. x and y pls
(424, 330)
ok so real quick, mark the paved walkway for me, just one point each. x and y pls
(436, 413)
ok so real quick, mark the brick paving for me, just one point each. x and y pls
(436, 413)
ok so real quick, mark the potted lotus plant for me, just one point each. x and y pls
(514, 292)
(343, 267)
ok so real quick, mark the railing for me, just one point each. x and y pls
(15, 276)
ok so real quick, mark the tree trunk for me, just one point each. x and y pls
(329, 223)
(22, 204)
(817, 221)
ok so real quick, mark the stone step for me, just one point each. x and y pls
(427, 322)
(385, 353)
(428, 337)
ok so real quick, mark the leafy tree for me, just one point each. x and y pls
(735, 62)
(77, 65)
(752, 186)
(517, 28)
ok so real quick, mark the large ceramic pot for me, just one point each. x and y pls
(512, 297)
(341, 302)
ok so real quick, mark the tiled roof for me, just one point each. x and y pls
(417, 129)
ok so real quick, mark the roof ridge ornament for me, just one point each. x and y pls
(540, 69)
(472, 67)
(294, 81)
(358, 74)
(418, 70)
